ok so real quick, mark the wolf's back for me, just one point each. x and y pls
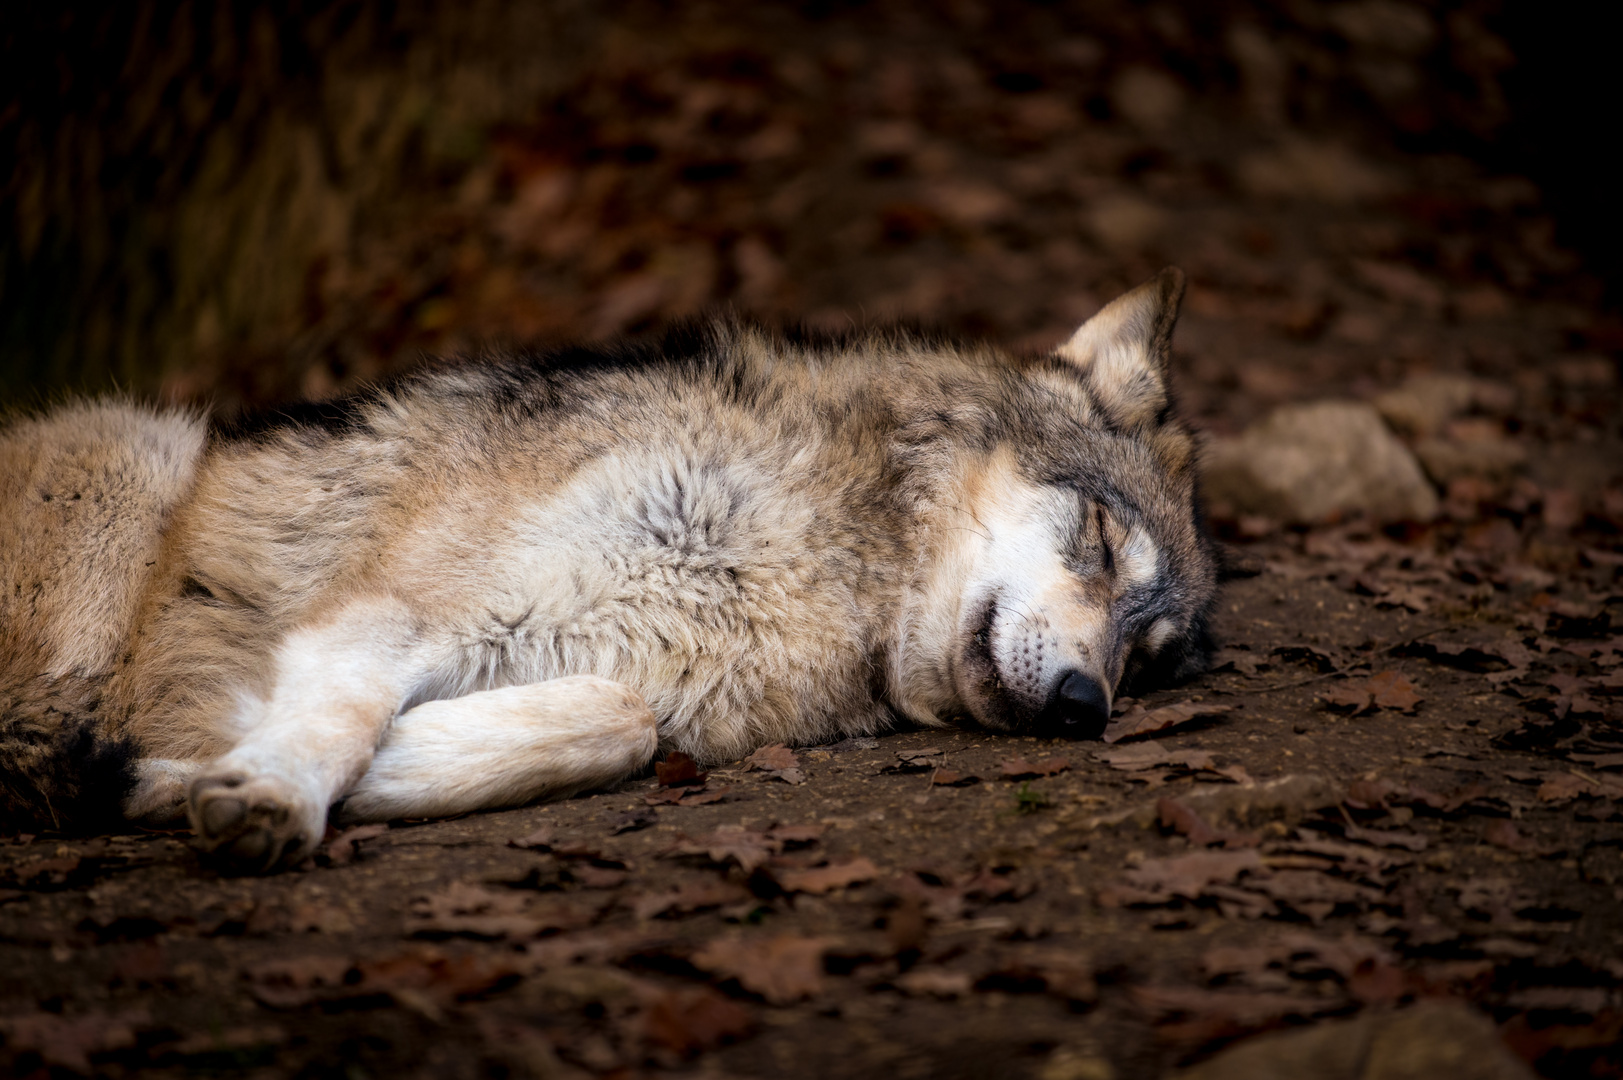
(85, 493)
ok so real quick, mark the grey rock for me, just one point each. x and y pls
(1429, 1040)
(1318, 461)
(1425, 403)
(1447, 460)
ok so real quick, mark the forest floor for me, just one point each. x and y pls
(1400, 787)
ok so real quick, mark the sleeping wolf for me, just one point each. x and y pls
(514, 578)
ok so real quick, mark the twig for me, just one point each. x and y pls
(1300, 682)
(1342, 671)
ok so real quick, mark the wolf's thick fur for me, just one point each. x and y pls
(499, 580)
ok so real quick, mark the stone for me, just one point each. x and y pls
(1314, 462)
(1429, 1040)
(1425, 403)
(1492, 458)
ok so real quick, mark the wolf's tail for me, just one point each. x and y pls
(59, 766)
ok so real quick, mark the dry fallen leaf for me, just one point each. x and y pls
(692, 795)
(1393, 838)
(1392, 691)
(1180, 818)
(593, 876)
(231, 1040)
(49, 873)
(704, 798)
(678, 769)
(1412, 597)
(1187, 875)
(340, 850)
(1241, 661)
(427, 979)
(1348, 698)
(1481, 655)
(1238, 1009)
(822, 879)
(539, 840)
(732, 843)
(1060, 972)
(1312, 892)
(934, 982)
(1153, 755)
(1563, 787)
(1383, 690)
(690, 1020)
(773, 758)
(1136, 721)
(289, 982)
(1019, 768)
(921, 760)
(782, 969)
(68, 1041)
(632, 821)
(688, 897)
(793, 836)
(1503, 833)
(467, 910)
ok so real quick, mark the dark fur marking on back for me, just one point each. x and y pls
(334, 418)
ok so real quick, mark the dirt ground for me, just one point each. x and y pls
(1401, 784)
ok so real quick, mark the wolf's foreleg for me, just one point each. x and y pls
(504, 748)
(336, 686)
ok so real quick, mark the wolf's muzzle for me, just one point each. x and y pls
(1077, 709)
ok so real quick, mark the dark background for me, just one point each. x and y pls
(245, 203)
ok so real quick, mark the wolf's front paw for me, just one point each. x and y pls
(252, 824)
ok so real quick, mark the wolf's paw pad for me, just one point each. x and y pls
(252, 825)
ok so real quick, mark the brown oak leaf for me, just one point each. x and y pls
(539, 840)
(68, 1041)
(1389, 690)
(1181, 819)
(340, 850)
(782, 969)
(1138, 721)
(1019, 768)
(693, 1019)
(1350, 698)
(822, 879)
(678, 769)
(689, 897)
(773, 758)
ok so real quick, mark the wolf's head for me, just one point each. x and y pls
(1084, 567)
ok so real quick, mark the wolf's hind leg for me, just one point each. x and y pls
(337, 685)
(159, 795)
(504, 748)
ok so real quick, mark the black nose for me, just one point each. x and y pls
(1078, 709)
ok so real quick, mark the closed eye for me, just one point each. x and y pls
(1104, 538)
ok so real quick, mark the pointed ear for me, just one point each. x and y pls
(1124, 350)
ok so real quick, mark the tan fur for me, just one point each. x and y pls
(769, 542)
